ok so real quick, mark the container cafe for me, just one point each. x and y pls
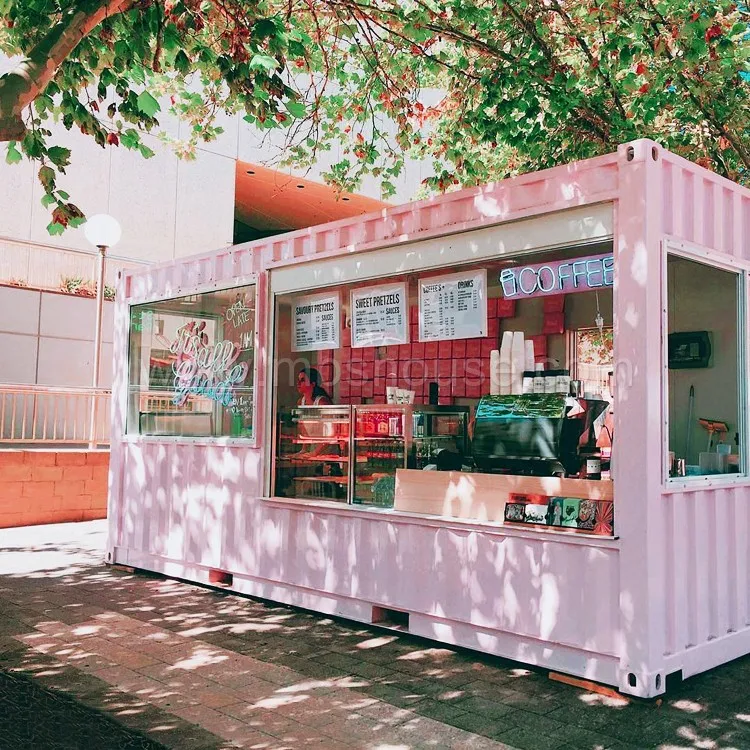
(511, 418)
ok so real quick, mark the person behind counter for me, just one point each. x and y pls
(310, 390)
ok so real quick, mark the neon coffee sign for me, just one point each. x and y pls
(558, 277)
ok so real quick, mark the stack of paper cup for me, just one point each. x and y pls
(495, 372)
(517, 363)
(529, 364)
(506, 359)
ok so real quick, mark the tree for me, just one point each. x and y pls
(524, 84)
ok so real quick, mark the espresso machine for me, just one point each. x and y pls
(537, 434)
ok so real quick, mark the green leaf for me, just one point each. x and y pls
(47, 178)
(147, 104)
(53, 228)
(63, 195)
(182, 62)
(59, 156)
(130, 138)
(146, 152)
(296, 109)
(48, 199)
(264, 62)
(13, 155)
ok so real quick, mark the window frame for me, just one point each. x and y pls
(252, 441)
(706, 256)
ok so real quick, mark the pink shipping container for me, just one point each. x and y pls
(669, 592)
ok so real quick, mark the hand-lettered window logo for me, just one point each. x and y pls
(238, 314)
(203, 369)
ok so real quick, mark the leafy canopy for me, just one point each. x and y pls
(481, 88)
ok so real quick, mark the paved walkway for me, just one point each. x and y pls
(140, 662)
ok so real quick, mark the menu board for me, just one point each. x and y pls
(453, 307)
(316, 322)
(380, 316)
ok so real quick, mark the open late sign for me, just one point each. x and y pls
(558, 277)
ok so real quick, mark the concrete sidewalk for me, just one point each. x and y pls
(178, 666)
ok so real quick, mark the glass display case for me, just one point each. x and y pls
(351, 454)
(312, 453)
(388, 438)
(381, 446)
(436, 428)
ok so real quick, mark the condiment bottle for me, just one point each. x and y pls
(563, 381)
(593, 467)
(539, 378)
(528, 382)
(550, 381)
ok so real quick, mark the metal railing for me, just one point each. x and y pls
(39, 265)
(37, 414)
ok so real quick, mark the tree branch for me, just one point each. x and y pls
(30, 77)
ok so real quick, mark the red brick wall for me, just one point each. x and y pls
(41, 486)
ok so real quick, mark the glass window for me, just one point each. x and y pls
(593, 358)
(706, 362)
(191, 365)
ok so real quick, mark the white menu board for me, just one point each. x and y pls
(453, 307)
(380, 316)
(316, 322)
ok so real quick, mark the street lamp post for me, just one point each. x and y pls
(103, 232)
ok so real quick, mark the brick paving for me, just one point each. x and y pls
(196, 669)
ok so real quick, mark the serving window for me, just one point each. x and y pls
(192, 365)
(383, 388)
(706, 368)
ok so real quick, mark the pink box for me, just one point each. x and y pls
(506, 308)
(554, 323)
(554, 304)
(540, 345)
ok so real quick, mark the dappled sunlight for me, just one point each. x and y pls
(201, 657)
(279, 701)
(596, 699)
(688, 706)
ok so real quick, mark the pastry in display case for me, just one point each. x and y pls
(312, 453)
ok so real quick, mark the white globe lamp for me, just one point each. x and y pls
(102, 230)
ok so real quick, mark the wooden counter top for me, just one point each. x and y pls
(483, 496)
